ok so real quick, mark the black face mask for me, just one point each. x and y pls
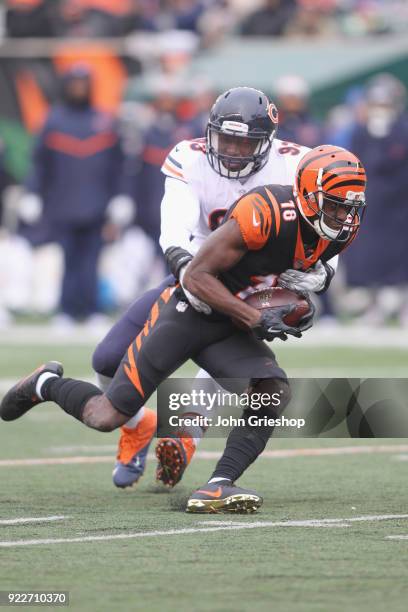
(76, 92)
(79, 103)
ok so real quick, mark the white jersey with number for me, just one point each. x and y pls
(196, 197)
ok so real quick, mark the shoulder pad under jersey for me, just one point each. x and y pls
(182, 159)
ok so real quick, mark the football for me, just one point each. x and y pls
(277, 296)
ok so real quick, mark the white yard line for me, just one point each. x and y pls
(32, 519)
(319, 336)
(369, 518)
(54, 461)
(269, 454)
(234, 526)
(397, 537)
(210, 455)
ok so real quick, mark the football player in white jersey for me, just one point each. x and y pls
(203, 179)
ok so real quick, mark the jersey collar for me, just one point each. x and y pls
(301, 262)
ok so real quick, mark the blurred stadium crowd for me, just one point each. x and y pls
(95, 18)
(80, 216)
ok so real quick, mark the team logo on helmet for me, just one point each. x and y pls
(273, 113)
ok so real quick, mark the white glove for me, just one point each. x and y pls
(316, 279)
(197, 304)
(121, 210)
(29, 208)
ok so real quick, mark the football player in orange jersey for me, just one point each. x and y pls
(269, 231)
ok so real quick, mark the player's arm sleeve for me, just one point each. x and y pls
(180, 213)
(254, 218)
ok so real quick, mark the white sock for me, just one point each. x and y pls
(218, 479)
(41, 380)
(134, 421)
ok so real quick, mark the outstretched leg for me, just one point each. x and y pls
(82, 400)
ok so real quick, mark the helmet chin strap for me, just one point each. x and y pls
(325, 231)
(237, 174)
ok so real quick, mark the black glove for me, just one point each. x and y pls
(271, 325)
(177, 258)
(306, 321)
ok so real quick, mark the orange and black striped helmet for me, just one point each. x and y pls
(330, 191)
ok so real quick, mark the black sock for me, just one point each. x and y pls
(71, 395)
(244, 445)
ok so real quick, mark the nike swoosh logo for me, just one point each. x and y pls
(216, 493)
(254, 220)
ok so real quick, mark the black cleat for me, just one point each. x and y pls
(223, 496)
(20, 398)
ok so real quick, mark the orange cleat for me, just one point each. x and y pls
(132, 452)
(174, 455)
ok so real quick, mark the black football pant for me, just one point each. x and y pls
(174, 333)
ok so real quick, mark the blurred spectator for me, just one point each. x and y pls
(270, 20)
(360, 17)
(314, 18)
(342, 119)
(4, 181)
(99, 18)
(75, 183)
(176, 51)
(295, 121)
(4, 178)
(208, 19)
(377, 260)
(25, 18)
(176, 15)
(173, 120)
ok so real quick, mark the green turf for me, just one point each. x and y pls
(355, 362)
(272, 568)
(306, 568)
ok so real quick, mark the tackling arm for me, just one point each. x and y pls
(317, 279)
(220, 252)
(180, 213)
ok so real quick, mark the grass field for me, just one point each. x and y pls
(137, 549)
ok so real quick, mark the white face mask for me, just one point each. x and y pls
(380, 120)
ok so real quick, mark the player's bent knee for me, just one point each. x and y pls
(104, 362)
(101, 415)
